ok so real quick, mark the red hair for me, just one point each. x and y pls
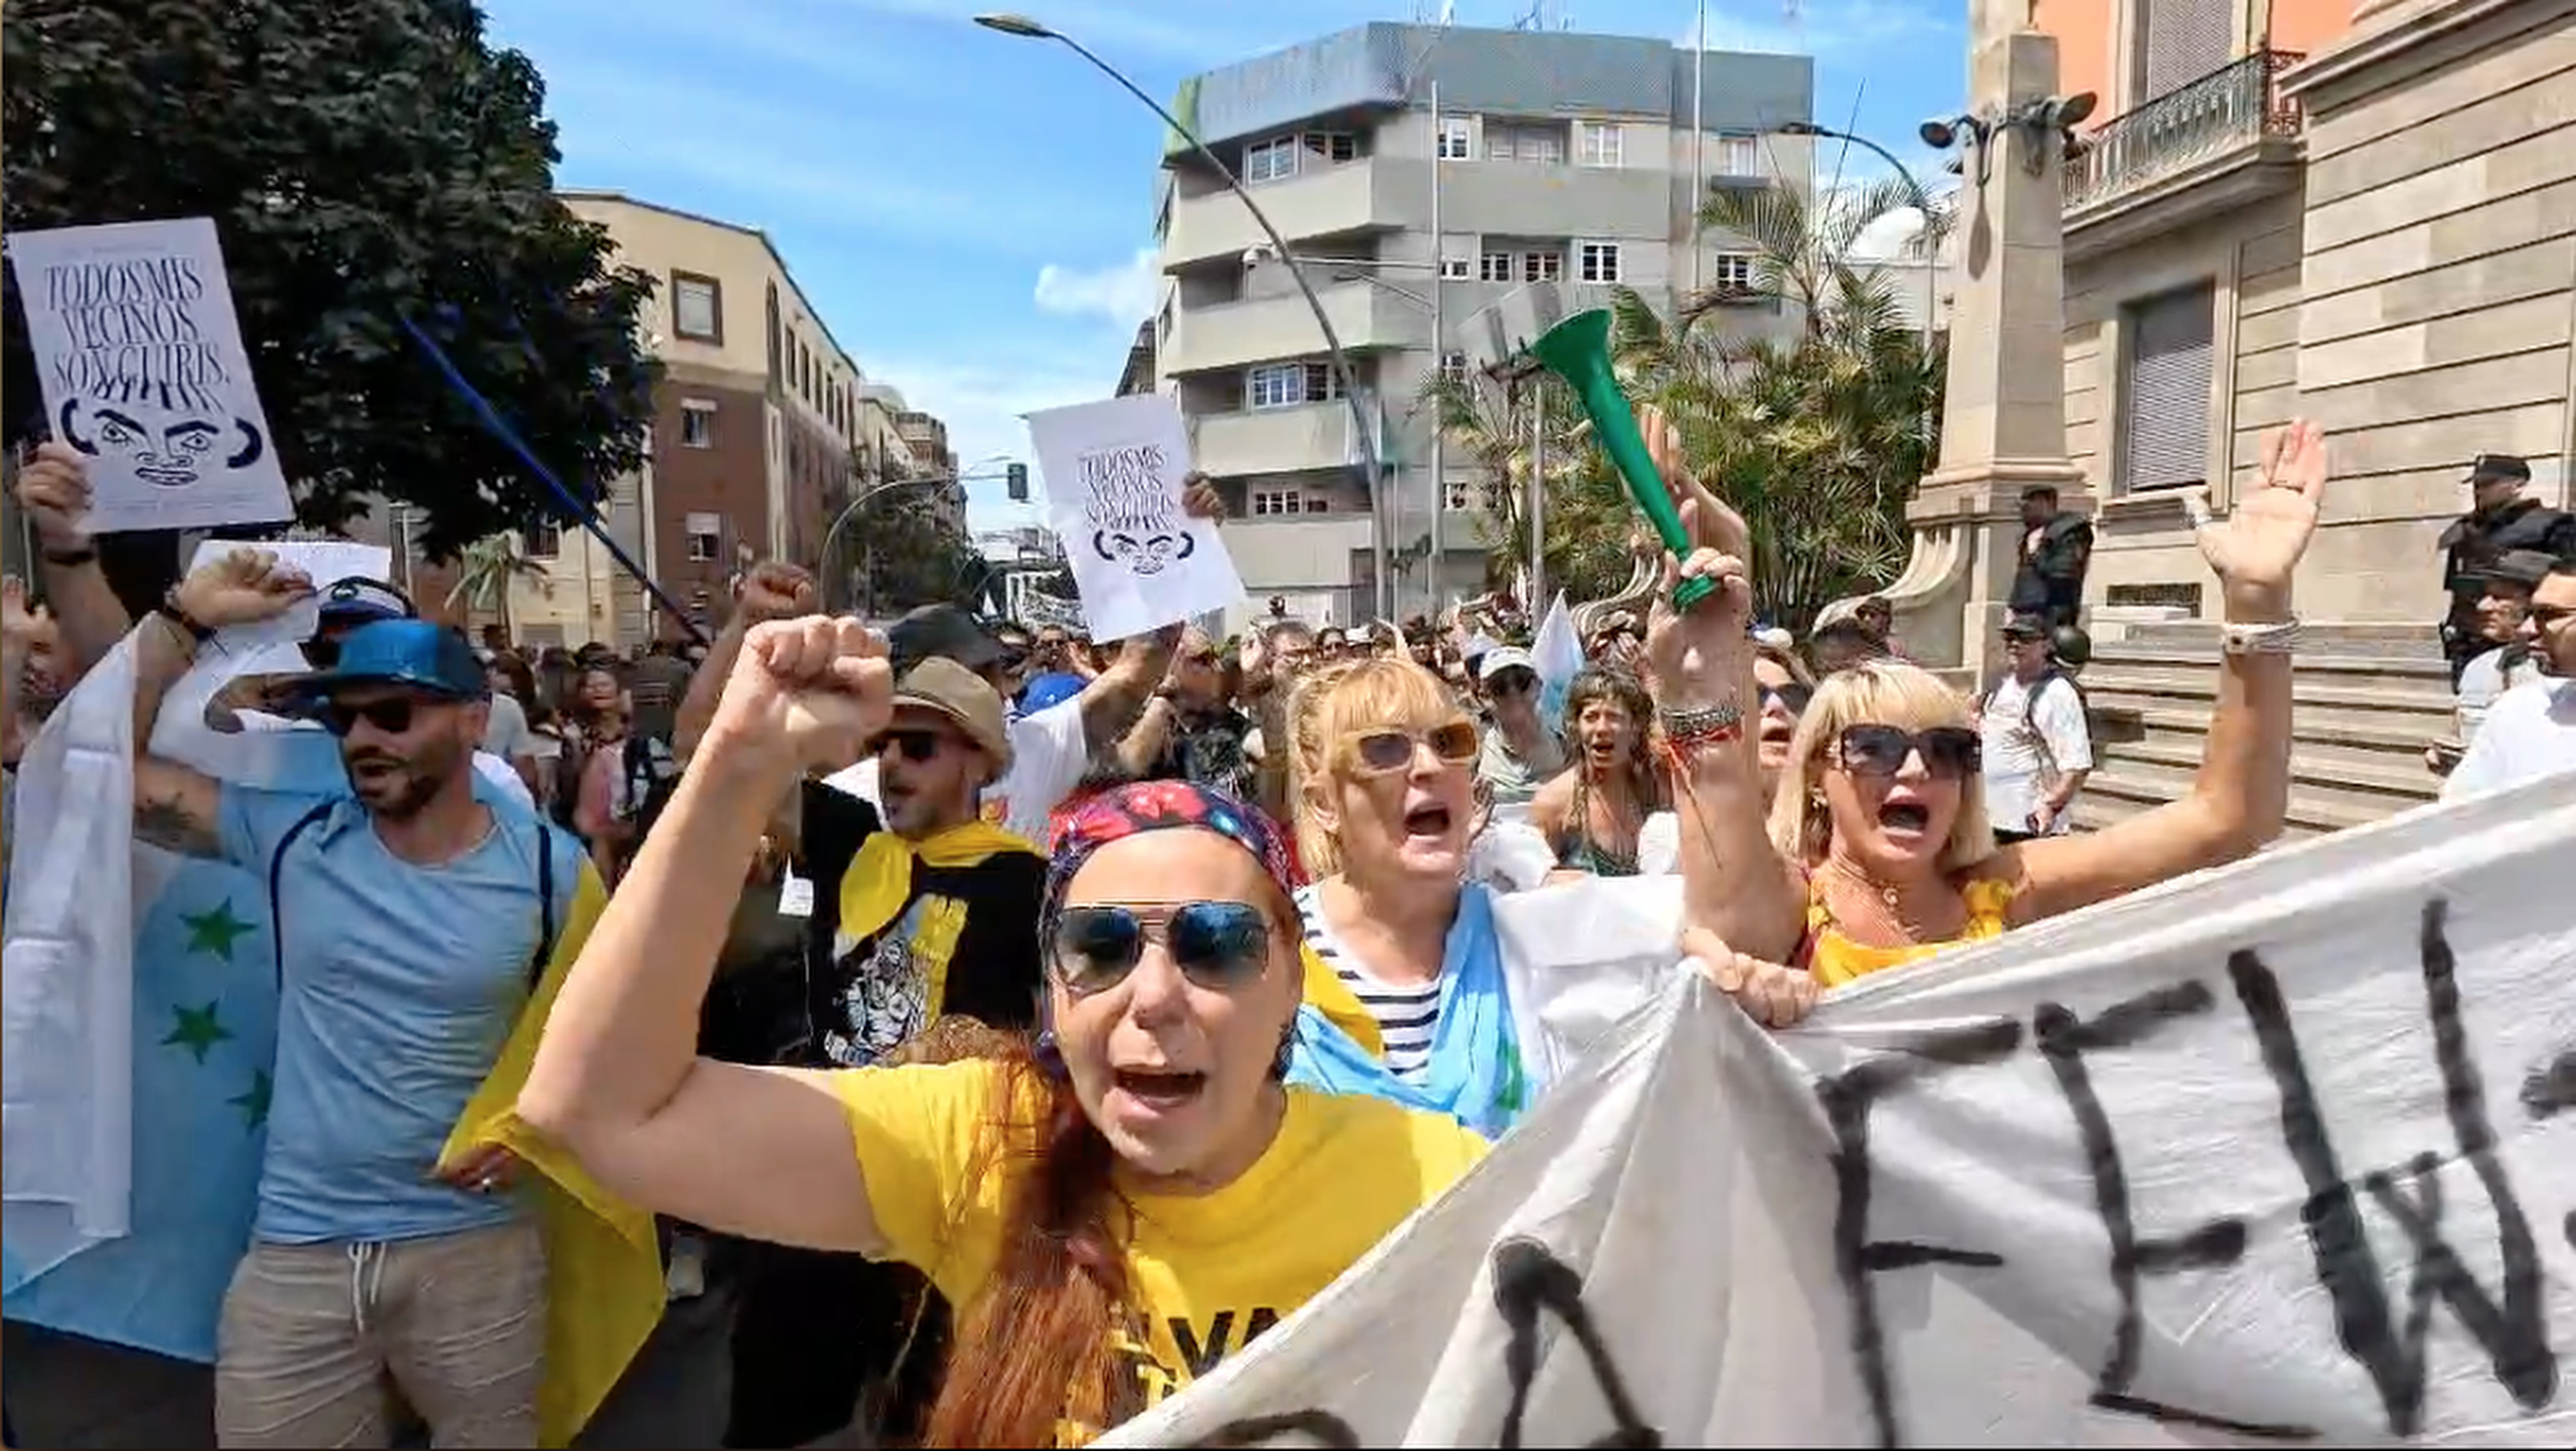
(1038, 1344)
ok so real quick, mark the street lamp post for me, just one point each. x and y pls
(1336, 358)
(850, 512)
(1922, 203)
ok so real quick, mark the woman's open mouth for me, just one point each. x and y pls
(1430, 819)
(1904, 818)
(1159, 1090)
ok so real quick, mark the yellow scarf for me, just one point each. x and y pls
(604, 1289)
(877, 885)
(1329, 995)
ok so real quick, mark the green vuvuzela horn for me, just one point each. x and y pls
(1578, 350)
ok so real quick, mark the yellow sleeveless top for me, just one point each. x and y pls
(1834, 959)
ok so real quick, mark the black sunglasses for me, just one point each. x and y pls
(1793, 697)
(1217, 945)
(916, 745)
(1949, 752)
(393, 715)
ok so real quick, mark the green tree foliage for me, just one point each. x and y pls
(1817, 432)
(364, 160)
(1512, 428)
(1818, 436)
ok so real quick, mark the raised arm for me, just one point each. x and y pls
(1735, 887)
(177, 808)
(760, 1152)
(773, 590)
(2242, 791)
(88, 617)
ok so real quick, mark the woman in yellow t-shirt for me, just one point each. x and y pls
(1113, 1208)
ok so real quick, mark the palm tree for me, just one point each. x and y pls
(1819, 436)
(1589, 520)
(487, 570)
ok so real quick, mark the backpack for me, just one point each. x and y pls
(652, 775)
(2048, 770)
(546, 923)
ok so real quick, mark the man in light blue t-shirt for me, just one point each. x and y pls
(413, 911)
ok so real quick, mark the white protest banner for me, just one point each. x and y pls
(1114, 474)
(143, 370)
(2284, 1154)
(323, 561)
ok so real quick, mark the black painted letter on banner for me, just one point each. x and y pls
(2064, 1039)
(1528, 1279)
(1847, 1098)
(2514, 1334)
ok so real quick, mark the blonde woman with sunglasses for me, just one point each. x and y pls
(1405, 982)
(1881, 811)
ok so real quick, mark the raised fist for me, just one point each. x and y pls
(815, 689)
(241, 587)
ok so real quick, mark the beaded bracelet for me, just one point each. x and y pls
(1687, 731)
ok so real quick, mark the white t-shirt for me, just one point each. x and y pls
(507, 735)
(1049, 752)
(2529, 732)
(2482, 680)
(491, 767)
(2027, 744)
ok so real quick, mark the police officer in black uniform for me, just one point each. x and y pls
(2500, 520)
(2056, 550)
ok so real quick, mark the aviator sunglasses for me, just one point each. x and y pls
(1217, 945)
(1385, 752)
(1950, 753)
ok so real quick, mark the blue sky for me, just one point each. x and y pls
(970, 212)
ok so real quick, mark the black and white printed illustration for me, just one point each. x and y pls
(1115, 473)
(141, 359)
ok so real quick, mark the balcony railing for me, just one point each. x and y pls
(2232, 107)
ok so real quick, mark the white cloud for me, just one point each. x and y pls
(1127, 293)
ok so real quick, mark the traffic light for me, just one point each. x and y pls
(1015, 477)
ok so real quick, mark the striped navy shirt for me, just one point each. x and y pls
(1405, 1016)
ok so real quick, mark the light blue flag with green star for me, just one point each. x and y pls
(134, 1242)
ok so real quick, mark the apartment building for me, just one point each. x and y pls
(760, 421)
(2358, 211)
(1551, 157)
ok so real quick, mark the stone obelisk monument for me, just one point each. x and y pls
(2003, 421)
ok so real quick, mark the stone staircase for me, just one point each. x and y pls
(2368, 700)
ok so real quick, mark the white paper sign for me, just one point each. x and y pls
(1114, 471)
(143, 370)
(323, 561)
(2282, 1155)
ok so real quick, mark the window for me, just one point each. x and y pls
(2165, 434)
(1599, 143)
(1286, 385)
(1498, 267)
(1465, 495)
(2181, 41)
(1542, 144)
(1281, 155)
(1734, 272)
(1737, 156)
(706, 536)
(1455, 139)
(542, 539)
(697, 423)
(1457, 259)
(1453, 365)
(1331, 146)
(697, 307)
(1597, 262)
(1542, 266)
(1269, 502)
